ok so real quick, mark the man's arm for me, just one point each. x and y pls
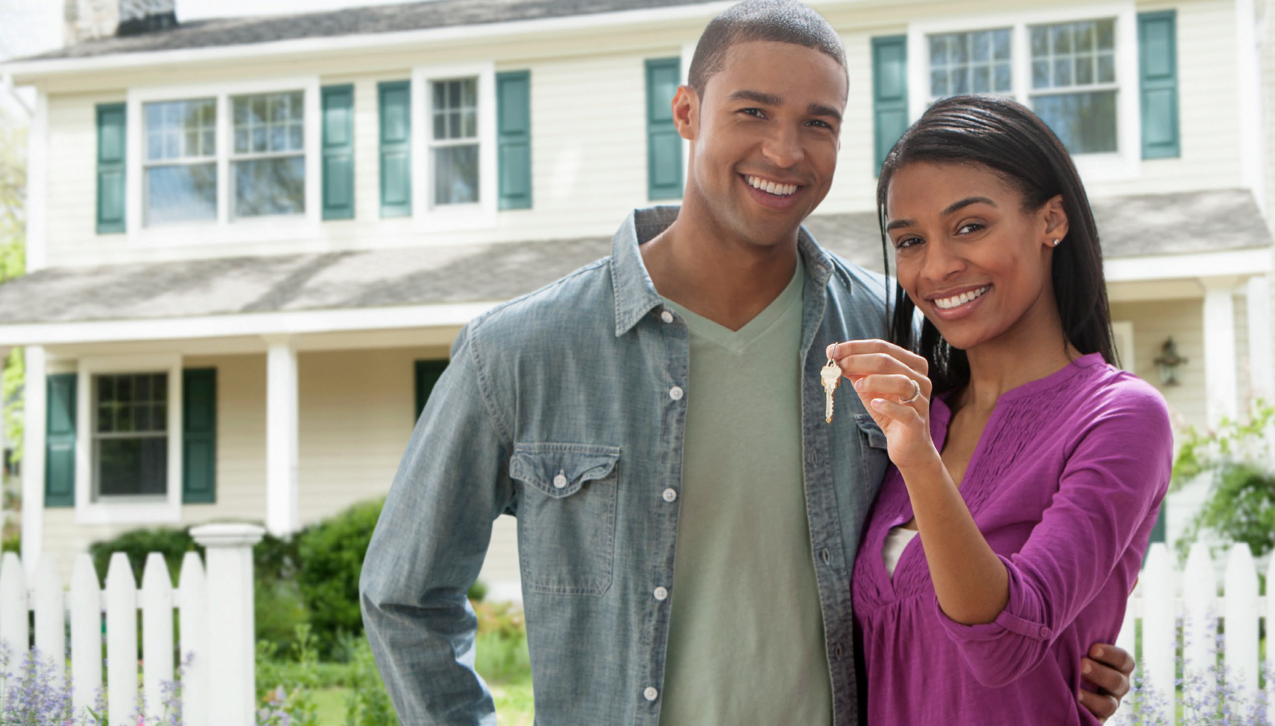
(1107, 669)
(428, 547)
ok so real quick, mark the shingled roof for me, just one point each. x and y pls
(352, 21)
(1130, 227)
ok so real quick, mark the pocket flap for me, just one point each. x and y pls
(560, 470)
(876, 437)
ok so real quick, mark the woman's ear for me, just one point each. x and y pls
(1054, 216)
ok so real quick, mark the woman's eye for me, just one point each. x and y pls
(969, 228)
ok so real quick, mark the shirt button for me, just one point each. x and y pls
(827, 558)
(560, 481)
(1044, 632)
(670, 495)
(676, 393)
(650, 694)
(666, 316)
(661, 594)
(837, 651)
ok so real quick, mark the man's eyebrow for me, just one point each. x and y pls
(895, 224)
(816, 109)
(954, 206)
(766, 99)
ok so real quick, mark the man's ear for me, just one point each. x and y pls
(686, 112)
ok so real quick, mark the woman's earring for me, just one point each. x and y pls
(1056, 242)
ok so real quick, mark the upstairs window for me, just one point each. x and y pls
(973, 62)
(268, 161)
(454, 141)
(1074, 83)
(180, 164)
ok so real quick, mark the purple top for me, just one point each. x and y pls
(1065, 484)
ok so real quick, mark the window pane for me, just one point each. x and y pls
(270, 122)
(456, 175)
(132, 466)
(973, 62)
(105, 418)
(982, 79)
(938, 83)
(1084, 71)
(1002, 78)
(269, 186)
(1085, 122)
(1064, 55)
(1000, 43)
(1085, 36)
(982, 47)
(184, 193)
(1106, 30)
(176, 129)
(452, 100)
(938, 50)
(1106, 69)
(1062, 73)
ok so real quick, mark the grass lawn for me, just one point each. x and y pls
(513, 704)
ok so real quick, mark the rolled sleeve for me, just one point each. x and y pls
(428, 547)
(1111, 487)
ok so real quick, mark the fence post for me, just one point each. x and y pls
(1240, 618)
(121, 639)
(13, 607)
(194, 641)
(1159, 628)
(1199, 598)
(231, 664)
(50, 617)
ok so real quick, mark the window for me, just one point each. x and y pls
(268, 161)
(1077, 68)
(1074, 83)
(181, 161)
(130, 435)
(454, 141)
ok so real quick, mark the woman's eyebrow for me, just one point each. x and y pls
(954, 206)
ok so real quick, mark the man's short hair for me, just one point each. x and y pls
(782, 21)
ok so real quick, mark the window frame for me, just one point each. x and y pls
(430, 217)
(128, 509)
(1125, 162)
(225, 229)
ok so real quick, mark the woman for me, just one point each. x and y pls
(1031, 466)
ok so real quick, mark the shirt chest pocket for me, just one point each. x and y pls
(873, 457)
(566, 516)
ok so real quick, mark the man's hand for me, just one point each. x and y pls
(1108, 669)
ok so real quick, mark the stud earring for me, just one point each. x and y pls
(1056, 242)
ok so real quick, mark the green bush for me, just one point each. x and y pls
(501, 648)
(173, 544)
(329, 557)
(368, 703)
(278, 609)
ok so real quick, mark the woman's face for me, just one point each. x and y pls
(970, 257)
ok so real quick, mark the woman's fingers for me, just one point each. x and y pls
(874, 348)
(896, 386)
(901, 412)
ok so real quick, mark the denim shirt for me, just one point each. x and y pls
(567, 408)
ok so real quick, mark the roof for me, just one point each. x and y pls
(352, 21)
(1131, 227)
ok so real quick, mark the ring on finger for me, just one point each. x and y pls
(916, 393)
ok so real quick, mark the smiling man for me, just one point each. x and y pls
(687, 521)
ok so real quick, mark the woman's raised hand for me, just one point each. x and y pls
(894, 387)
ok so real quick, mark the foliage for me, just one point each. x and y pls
(279, 610)
(1235, 459)
(13, 190)
(368, 703)
(136, 544)
(330, 558)
(287, 699)
(502, 654)
(31, 695)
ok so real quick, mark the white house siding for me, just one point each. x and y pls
(1155, 321)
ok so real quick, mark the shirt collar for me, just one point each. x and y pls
(635, 294)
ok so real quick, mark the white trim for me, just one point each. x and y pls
(1221, 386)
(1201, 264)
(38, 185)
(225, 231)
(127, 511)
(1124, 164)
(426, 215)
(282, 418)
(1122, 331)
(1251, 109)
(35, 411)
(26, 72)
(220, 326)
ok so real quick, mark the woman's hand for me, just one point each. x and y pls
(894, 388)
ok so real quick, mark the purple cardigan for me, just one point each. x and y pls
(1065, 484)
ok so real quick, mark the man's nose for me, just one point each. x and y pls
(783, 147)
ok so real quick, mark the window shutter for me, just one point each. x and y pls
(199, 436)
(110, 168)
(427, 373)
(338, 152)
(663, 145)
(513, 129)
(889, 95)
(1158, 68)
(396, 148)
(59, 443)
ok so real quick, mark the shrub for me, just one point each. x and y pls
(279, 609)
(173, 544)
(501, 648)
(330, 556)
(368, 703)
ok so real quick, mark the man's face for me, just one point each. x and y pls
(764, 139)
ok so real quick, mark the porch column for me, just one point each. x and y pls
(35, 404)
(1221, 387)
(1261, 371)
(281, 436)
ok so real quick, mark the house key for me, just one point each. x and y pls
(830, 375)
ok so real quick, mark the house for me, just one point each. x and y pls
(252, 240)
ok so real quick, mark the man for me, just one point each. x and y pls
(687, 521)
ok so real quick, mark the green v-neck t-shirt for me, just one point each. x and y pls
(746, 638)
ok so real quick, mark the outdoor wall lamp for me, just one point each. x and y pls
(1169, 361)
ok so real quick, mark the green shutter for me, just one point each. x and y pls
(199, 436)
(513, 138)
(59, 442)
(889, 95)
(396, 148)
(110, 168)
(1158, 71)
(663, 144)
(427, 373)
(338, 152)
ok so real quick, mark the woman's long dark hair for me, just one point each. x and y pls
(1009, 139)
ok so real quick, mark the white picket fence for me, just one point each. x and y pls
(1164, 595)
(215, 611)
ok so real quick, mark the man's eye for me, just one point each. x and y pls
(822, 124)
(906, 242)
(753, 112)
